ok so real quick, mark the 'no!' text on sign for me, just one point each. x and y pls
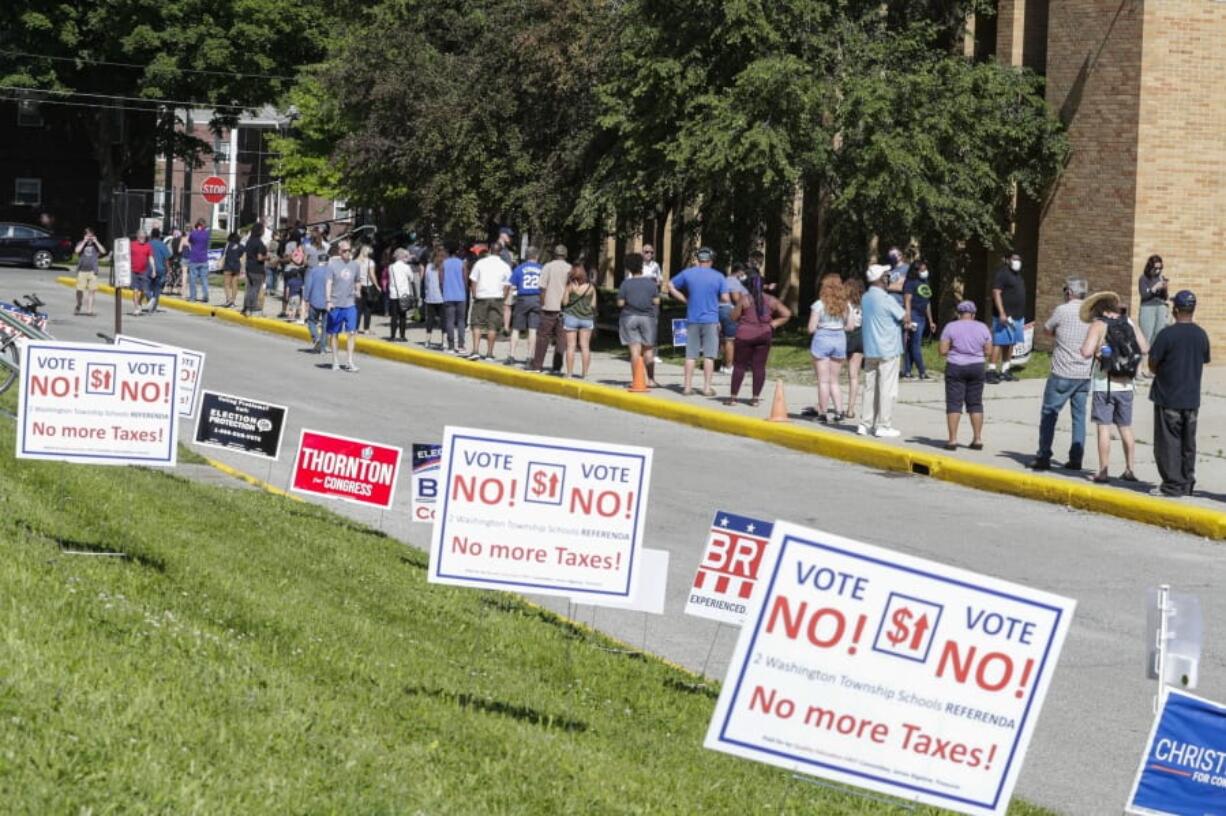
(537, 514)
(83, 402)
(892, 673)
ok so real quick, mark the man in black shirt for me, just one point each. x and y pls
(1009, 320)
(1176, 360)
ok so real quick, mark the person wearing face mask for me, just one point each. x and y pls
(917, 307)
(897, 274)
(1009, 322)
(1153, 314)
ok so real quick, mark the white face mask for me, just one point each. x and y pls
(1016, 266)
(923, 275)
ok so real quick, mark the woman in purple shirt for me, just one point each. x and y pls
(965, 344)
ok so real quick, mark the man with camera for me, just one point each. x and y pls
(89, 251)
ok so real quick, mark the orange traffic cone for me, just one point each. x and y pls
(779, 408)
(638, 384)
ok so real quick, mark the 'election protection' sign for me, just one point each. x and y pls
(242, 425)
(729, 568)
(191, 369)
(426, 467)
(96, 404)
(537, 514)
(888, 672)
(1184, 767)
(352, 470)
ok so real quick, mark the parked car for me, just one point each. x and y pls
(32, 246)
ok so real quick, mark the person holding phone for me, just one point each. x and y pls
(1153, 288)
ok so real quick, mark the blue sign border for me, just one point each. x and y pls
(893, 783)
(638, 508)
(172, 437)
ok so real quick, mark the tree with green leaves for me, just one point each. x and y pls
(98, 58)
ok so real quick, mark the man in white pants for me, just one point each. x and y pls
(882, 324)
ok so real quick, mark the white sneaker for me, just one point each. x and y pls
(862, 430)
(887, 433)
(336, 366)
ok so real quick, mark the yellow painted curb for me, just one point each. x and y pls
(1111, 501)
(251, 480)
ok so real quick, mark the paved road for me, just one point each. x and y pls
(1090, 736)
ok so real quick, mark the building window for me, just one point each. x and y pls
(341, 211)
(221, 149)
(29, 114)
(28, 191)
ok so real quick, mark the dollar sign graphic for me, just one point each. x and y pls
(902, 627)
(540, 484)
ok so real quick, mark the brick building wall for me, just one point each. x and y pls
(1181, 152)
(1088, 225)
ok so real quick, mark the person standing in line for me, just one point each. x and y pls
(828, 319)
(432, 295)
(854, 290)
(369, 293)
(1153, 287)
(965, 344)
(897, 276)
(341, 292)
(315, 296)
(198, 262)
(1009, 323)
(272, 265)
(883, 317)
(1069, 381)
(579, 318)
(141, 253)
(526, 310)
(917, 305)
(257, 254)
(89, 251)
(727, 324)
(502, 246)
(554, 276)
(1115, 349)
(294, 272)
(757, 314)
(455, 298)
(161, 268)
(701, 288)
(638, 297)
(651, 269)
(490, 281)
(1177, 360)
(231, 267)
(401, 295)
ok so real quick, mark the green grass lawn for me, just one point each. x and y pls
(252, 654)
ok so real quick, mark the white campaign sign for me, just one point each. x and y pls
(98, 404)
(728, 571)
(650, 588)
(537, 514)
(121, 262)
(191, 369)
(889, 672)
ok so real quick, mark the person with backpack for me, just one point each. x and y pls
(1117, 349)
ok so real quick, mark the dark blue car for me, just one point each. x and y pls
(32, 246)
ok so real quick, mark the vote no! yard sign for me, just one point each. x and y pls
(888, 672)
(97, 404)
(538, 514)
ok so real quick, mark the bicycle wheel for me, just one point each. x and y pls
(12, 357)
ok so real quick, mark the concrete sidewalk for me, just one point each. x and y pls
(1011, 416)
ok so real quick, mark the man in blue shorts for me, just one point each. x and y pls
(701, 288)
(339, 290)
(1009, 322)
(526, 313)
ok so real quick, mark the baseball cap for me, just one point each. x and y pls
(560, 251)
(967, 307)
(705, 254)
(875, 272)
(1185, 300)
(506, 231)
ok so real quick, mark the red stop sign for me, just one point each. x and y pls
(213, 189)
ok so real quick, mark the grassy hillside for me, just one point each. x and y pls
(251, 654)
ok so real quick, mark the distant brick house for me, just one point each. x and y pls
(49, 166)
